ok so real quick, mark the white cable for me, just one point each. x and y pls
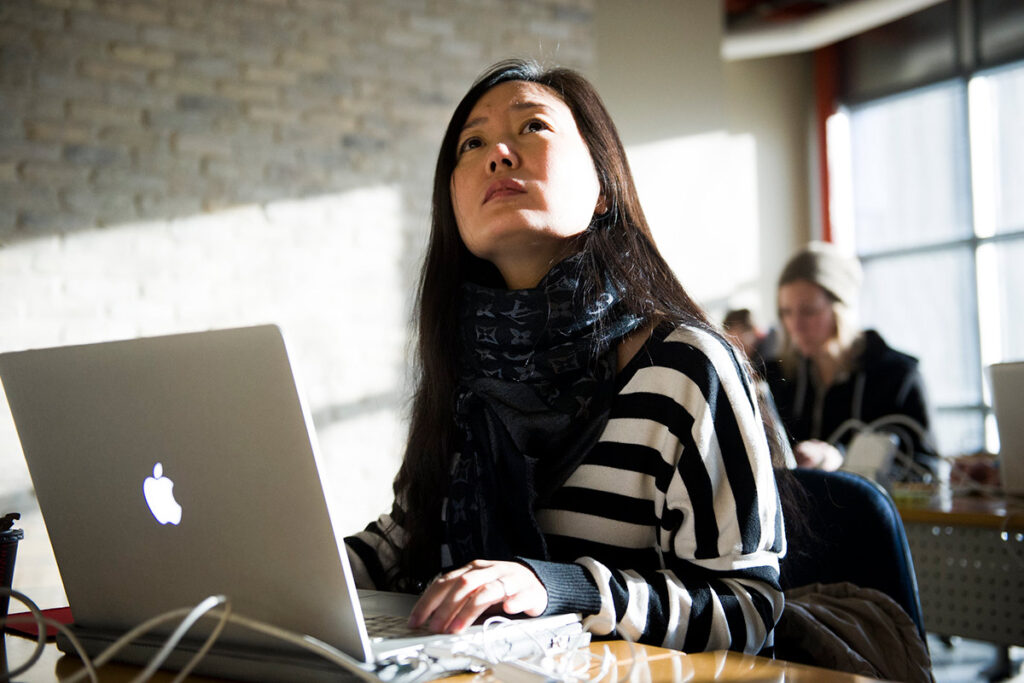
(901, 420)
(578, 661)
(634, 659)
(893, 419)
(506, 623)
(190, 615)
(572, 667)
(576, 652)
(41, 624)
(904, 455)
(643, 675)
(40, 633)
(172, 642)
(608, 661)
(107, 654)
(89, 666)
(567, 670)
(307, 642)
(198, 656)
(846, 426)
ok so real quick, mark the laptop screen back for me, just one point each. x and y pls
(1008, 403)
(173, 468)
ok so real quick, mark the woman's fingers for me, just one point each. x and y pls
(488, 595)
(444, 596)
(526, 594)
(458, 598)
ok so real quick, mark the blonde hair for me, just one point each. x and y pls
(847, 334)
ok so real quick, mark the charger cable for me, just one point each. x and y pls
(188, 616)
(572, 667)
(904, 455)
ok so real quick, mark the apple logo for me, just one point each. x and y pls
(160, 497)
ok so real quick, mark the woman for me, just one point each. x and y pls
(829, 372)
(581, 439)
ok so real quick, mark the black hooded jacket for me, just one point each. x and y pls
(882, 382)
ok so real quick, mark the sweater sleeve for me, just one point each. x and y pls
(373, 552)
(718, 528)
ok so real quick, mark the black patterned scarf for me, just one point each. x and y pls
(536, 371)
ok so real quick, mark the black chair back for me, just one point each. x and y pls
(851, 532)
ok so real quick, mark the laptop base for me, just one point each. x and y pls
(223, 660)
(423, 663)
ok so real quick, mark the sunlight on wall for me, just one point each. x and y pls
(700, 197)
(327, 269)
(840, 178)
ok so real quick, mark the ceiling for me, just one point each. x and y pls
(745, 13)
(765, 28)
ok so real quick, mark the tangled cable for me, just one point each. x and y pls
(572, 665)
(189, 617)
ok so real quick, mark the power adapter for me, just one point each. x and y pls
(871, 454)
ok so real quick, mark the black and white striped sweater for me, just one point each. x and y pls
(670, 531)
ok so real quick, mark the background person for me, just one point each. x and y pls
(829, 371)
(581, 438)
(739, 324)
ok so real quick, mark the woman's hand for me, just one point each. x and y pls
(818, 455)
(453, 601)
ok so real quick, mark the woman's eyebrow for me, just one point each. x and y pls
(515, 106)
(474, 122)
(528, 104)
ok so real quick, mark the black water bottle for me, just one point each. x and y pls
(9, 537)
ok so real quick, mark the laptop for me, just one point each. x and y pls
(1008, 404)
(169, 469)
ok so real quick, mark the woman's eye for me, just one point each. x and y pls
(468, 144)
(534, 126)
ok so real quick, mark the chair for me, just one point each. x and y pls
(853, 533)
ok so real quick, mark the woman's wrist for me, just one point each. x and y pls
(570, 587)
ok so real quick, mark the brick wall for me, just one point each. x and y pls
(170, 165)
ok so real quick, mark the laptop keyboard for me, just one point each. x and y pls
(381, 626)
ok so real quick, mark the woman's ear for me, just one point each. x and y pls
(602, 206)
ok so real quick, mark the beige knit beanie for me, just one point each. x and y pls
(827, 266)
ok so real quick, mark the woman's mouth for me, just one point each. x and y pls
(503, 188)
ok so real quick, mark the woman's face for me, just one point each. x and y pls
(524, 181)
(806, 313)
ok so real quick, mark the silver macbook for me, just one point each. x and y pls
(1008, 404)
(172, 468)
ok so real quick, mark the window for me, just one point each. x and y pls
(927, 187)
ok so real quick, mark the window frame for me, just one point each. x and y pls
(975, 242)
(966, 37)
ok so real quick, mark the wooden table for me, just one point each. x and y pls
(969, 558)
(672, 665)
(663, 665)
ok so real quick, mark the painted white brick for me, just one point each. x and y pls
(50, 130)
(101, 113)
(326, 113)
(143, 55)
(97, 26)
(172, 38)
(136, 12)
(52, 172)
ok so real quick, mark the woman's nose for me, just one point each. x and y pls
(502, 155)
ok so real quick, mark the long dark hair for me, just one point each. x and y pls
(617, 247)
